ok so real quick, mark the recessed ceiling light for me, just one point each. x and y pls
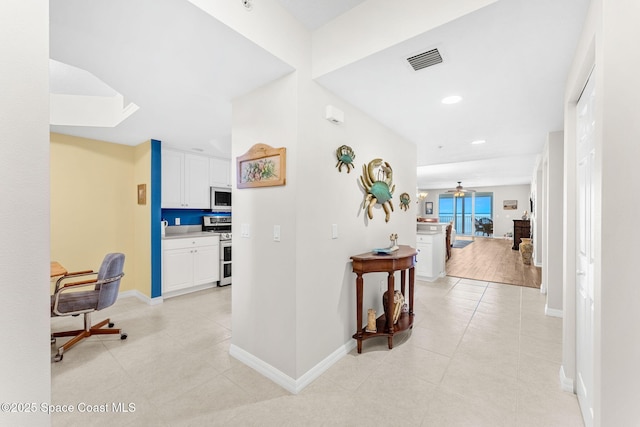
(452, 99)
(478, 141)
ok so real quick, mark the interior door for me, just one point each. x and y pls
(585, 251)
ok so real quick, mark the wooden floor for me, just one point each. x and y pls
(493, 260)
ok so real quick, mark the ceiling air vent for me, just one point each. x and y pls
(425, 59)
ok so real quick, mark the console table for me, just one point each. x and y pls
(521, 228)
(401, 260)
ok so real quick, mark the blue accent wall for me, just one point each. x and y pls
(156, 212)
(187, 216)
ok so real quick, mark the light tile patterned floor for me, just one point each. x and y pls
(480, 354)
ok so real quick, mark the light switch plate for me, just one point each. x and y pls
(334, 231)
(276, 233)
(245, 231)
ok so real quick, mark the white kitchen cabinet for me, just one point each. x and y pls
(185, 180)
(220, 172)
(430, 261)
(190, 264)
(172, 179)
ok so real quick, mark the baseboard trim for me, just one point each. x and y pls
(566, 383)
(283, 380)
(315, 372)
(553, 312)
(189, 290)
(142, 297)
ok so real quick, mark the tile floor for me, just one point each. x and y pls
(480, 354)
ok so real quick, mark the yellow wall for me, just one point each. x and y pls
(142, 219)
(94, 207)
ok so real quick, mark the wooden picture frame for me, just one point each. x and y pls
(510, 205)
(262, 166)
(428, 208)
(142, 194)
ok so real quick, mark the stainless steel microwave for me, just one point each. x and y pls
(220, 199)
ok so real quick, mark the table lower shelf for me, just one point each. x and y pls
(404, 322)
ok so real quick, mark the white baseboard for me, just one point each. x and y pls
(189, 290)
(430, 279)
(283, 380)
(142, 297)
(553, 312)
(566, 383)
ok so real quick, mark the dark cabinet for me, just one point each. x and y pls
(521, 228)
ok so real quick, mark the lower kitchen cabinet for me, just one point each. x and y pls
(190, 264)
(430, 261)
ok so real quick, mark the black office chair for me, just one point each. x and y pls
(68, 300)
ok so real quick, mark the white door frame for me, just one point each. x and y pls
(585, 253)
(575, 86)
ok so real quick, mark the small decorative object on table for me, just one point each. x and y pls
(371, 321)
(525, 215)
(398, 303)
(392, 248)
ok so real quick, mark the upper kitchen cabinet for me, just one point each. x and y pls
(185, 180)
(220, 172)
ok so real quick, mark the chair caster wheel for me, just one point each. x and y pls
(53, 340)
(58, 357)
(123, 336)
(111, 324)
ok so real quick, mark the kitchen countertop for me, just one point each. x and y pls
(189, 235)
(187, 232)
(431, 227)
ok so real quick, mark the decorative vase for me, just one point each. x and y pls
(526, 250)
(398, 301)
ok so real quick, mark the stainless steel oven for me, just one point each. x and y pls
(220, 223)
(225, 260)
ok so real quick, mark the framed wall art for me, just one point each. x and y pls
(510, 205)
(262, 166)
(428, 208)
(142, 194)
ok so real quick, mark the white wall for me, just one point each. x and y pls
(24, 210)
(552, 222)
(326, 284)
(536, 217)
(294, 300)
(502, 219)
(617, 282)
(264, 298)
(610, 33)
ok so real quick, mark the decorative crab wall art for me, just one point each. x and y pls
(405, 200)
(377, 180)
(345, 156)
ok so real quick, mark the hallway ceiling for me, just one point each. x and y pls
(508, 61)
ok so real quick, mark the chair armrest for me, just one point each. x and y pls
(93, 282)
(76, 273)
(73, 275)
(84, 282)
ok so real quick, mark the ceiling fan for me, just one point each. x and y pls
(459, 191)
